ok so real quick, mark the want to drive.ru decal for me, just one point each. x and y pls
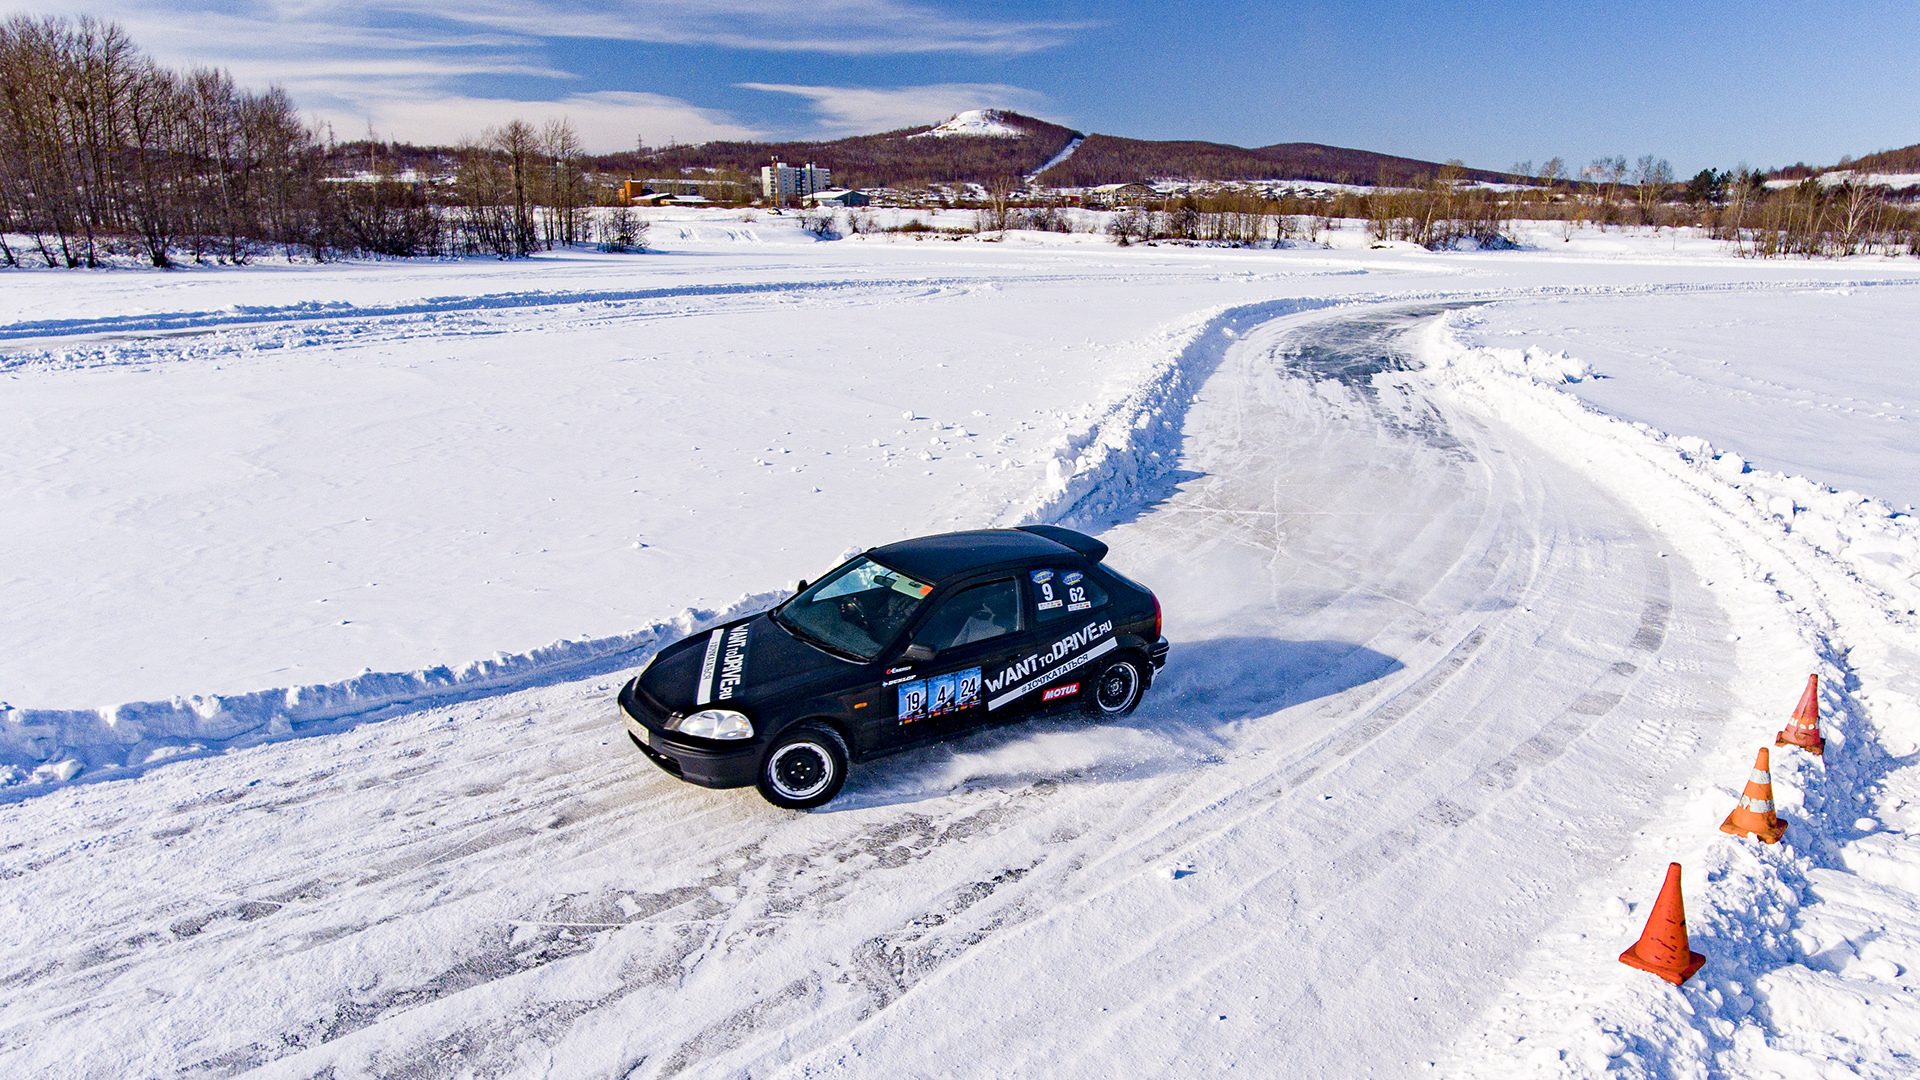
(733, 662)
(1040, 669)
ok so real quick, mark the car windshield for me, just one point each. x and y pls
(857, 609)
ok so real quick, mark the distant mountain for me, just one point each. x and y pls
(996, 146)
(971, 147)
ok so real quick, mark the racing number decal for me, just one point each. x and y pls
(913, 701)
(939, 695)
(1043, 585)
(967, 692)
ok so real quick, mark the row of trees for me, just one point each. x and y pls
(104, 153)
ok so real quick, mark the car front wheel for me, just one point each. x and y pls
(1117, 688)
(804, 767)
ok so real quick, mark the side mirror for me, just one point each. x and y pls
(802, 587)
(918, 653)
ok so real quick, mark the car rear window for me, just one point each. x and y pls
(1063, 591)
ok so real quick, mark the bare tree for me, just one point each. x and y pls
(1652, 183)
(564, 193)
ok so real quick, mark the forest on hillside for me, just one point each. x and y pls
(1106, 159)
(889, 159)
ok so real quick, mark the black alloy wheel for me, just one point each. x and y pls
(804, 767)
(1116, 689)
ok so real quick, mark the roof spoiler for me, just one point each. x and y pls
(1078, 541)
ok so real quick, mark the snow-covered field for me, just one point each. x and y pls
(1486, 574)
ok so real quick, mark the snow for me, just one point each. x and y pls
(1065, 153)
(1486, 573)
(1836, 177)
(975, 123)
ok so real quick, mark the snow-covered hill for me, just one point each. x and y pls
(977, 123)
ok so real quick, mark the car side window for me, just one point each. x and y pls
(1059, 593)
(975, 613)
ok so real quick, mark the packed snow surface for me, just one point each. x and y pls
(1486, 573)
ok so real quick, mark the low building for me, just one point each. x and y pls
(1120, 194)
(657, 190)
(840, 197)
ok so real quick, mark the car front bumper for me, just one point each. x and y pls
(708, 768)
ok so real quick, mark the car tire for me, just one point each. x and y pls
(1116, 688)
(804, 768)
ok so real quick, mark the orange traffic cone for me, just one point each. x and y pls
(1754, 814)
(1804, 730)
(1662, 948)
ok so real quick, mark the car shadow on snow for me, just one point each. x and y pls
(1191, 718)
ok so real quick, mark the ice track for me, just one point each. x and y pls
(1406, 644)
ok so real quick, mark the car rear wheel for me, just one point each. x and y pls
(804, 767)
(1117, 688)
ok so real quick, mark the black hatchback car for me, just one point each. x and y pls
(917, 640)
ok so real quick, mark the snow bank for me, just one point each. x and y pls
(1097, 468)
(1105, 465)
(46, 746)
(1810, 943)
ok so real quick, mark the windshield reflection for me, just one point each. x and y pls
(857, 609)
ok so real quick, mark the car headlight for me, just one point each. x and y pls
(714, 724)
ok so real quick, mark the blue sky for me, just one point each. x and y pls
(1701, 83)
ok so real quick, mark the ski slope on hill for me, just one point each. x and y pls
(1459, 663)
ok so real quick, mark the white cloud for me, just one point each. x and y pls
(852, 27)
(405, 65)
(846, 110)
(607, 120)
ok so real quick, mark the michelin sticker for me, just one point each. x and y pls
(1066, 655)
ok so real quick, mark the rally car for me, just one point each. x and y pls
(913, 641)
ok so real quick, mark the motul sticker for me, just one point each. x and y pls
(1059, 692)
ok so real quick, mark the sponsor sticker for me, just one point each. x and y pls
(1073, 578)
(1039, 669)
(1059, 692)
(733, 662)
(1041, 577)
(704, 692)
(1081, 606)
(1048, 605)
